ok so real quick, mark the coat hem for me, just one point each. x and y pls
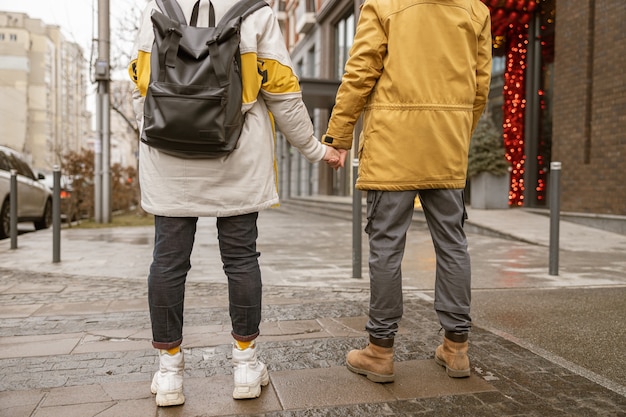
(226, 212)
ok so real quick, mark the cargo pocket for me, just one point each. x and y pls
(373, 197)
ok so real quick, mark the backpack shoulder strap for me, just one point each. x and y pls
(243, 8)
(172, 9)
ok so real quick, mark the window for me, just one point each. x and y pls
(4, 163)
(300, 68)
(498, 65)
(344, 37)
(13, 37)
(20, 166)
(310, 60)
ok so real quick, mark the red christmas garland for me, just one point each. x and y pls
(507, 12)
(509, 19)
(514, 109)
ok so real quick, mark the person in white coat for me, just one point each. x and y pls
(233, 189)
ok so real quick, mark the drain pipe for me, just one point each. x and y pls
(555, 192)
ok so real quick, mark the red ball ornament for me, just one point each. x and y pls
(525, 18)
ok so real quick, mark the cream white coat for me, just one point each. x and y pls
(246, 180)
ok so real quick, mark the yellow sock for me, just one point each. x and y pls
(173, 351)
(243, 345)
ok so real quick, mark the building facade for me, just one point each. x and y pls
(558, 92)
(43, 91)
(589, 114)
(319, 34)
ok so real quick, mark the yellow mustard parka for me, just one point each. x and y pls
(419, 70)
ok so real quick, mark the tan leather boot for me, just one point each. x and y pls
(375, 362)
(453, 356)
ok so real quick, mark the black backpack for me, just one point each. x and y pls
(193, 105)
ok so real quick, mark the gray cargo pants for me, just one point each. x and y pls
(389, 215)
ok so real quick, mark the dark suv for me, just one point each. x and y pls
(34, 199)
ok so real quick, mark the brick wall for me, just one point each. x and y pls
(589, 118)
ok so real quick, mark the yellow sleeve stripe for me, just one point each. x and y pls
(250, 78)
(277, 78)
(268, 74)
(142, 72)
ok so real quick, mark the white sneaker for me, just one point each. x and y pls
(167, 383)
(250, 373)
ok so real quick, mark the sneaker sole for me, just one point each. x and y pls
(166, 399)
(372, 376)
(169, 399)
(453, 373)
(249, 391)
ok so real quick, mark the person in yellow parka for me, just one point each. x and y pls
(419, 71)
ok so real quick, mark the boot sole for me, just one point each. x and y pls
(249, 391)
(372, 376)
(453, 373)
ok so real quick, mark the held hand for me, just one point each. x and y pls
(332, 157)
(343, 153)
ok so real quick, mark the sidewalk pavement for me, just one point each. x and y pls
(75, 335)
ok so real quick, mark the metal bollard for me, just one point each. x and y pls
(13, 209)
(555, 192)
(56, 215)
(356, 224)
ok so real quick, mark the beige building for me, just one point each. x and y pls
(124, 131)
(43, 90)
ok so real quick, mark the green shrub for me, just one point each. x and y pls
(486, 153)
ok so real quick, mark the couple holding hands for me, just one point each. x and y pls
(419, 72)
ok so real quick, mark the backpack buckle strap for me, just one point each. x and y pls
(169, 50)
(218, 67)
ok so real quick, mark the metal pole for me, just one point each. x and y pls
(356, 223)
(102, 181)
(299, 174)
(56, 214)
(13, 209)
(97, 182)
(533, 109)
(288, 171)
(555, 191)
(106, 160)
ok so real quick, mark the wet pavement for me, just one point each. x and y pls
(75, 335)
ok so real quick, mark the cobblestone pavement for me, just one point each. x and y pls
(78, 343)
(304, 329)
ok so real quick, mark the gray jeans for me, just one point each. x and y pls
(389, 215)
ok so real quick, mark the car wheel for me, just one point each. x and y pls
(46, 220)
(5, 220)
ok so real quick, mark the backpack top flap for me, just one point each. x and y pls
(179, 43)
(193, 104)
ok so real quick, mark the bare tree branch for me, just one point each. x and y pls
(129, 121)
